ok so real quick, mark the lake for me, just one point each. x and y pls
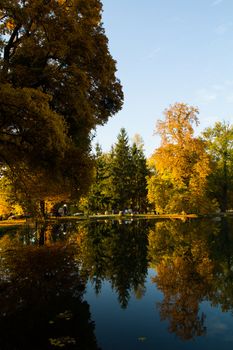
(136, 284)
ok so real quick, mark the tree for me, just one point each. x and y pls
(99, 198)
(180, 165)
(220, 147)
(6, 205)
(138, 179)
(57, 82)
(119, 177)
(121, 172)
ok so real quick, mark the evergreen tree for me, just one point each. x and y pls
(121, 172)
(99, 196)
(120, 177)
(138, 179)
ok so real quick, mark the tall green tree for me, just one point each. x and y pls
(220, 146)
(121, 172)
(119, 177)
(181, 164)
(139, 178)
(57, 82)
(99, 196)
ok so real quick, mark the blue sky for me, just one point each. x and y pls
(169, 51)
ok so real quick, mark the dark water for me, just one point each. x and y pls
(117, 285)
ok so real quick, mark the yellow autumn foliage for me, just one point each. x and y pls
(181, 165)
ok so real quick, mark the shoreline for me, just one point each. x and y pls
(5, 223)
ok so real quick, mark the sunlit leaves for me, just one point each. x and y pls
(61, 2)
(177, 126)
(181, 164)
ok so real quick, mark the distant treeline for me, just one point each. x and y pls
(185, 174)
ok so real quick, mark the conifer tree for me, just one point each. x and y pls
(121, 172)
(99, 199)
(139, 178)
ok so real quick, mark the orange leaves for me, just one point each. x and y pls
(10, 25)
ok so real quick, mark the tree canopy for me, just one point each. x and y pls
(57, 82)
(219, 139)
(181, 164)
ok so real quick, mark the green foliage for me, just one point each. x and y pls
(99, 196)
(220, 147)
(120, 178)
(121, 172)
(138, 178)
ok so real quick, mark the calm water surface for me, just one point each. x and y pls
(117, 285)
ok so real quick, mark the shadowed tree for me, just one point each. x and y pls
(57, 82)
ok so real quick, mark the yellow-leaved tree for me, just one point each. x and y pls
(180, 166)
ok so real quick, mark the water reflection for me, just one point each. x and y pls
(191, 262)
(44, 273)
(41, 302)
(184, 275)
(116, 253)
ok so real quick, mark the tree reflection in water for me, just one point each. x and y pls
(41, 299)
(189, 259)
(44, 274)
(116, 252)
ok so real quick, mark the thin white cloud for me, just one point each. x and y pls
(216, 2)
(222, 91)
(229, 97)
(154, 53)
(218, 87)
(223, 28)
(206, 96)
(229, 83)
